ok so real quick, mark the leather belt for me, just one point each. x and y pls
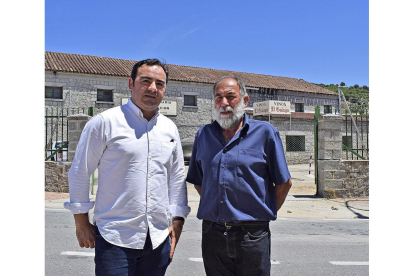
(229, 225)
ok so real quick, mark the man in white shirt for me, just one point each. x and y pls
(141, 202)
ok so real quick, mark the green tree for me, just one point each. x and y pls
(356, 86)
(343, 84)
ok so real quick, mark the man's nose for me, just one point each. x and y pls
(152, 86)
(224, 102)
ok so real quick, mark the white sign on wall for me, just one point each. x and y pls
(271, 107)
(261, 108)
(168, 107)
(279, 107)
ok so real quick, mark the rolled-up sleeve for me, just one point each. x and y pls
(177, 191)
(88, 153)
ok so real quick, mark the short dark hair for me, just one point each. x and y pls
(242, 86)
(149, 62)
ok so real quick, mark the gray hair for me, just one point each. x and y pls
(242, 87)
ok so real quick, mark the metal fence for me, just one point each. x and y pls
(56, 131)
(355, 142)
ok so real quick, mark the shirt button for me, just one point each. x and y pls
(221, 183)
(222, 166)
(221, 201)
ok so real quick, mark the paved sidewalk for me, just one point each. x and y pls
(300, 203)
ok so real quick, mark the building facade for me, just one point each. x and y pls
(74, 82)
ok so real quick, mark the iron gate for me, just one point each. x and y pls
(56, 131)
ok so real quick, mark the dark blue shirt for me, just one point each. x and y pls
(237, 178)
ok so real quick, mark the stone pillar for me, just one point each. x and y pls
(76, 123)
(330, 172)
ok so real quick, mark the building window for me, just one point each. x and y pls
(295, 142)
(52, 92)
(190, 100)
(299, 107)
(104, 95)
(347, 141)
(327, 109)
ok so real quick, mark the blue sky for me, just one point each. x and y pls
(322, 41)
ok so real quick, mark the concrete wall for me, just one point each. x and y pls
(337, 177)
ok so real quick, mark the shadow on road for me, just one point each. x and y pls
(306, 196)
(354, 210)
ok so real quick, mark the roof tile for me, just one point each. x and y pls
(85, 64)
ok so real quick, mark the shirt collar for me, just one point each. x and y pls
(138, 112)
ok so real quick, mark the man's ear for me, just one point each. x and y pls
(130, 83)
(246, 100)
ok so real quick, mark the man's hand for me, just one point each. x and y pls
(175, 233)
(85, 231)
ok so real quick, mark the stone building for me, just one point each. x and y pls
(81, 81)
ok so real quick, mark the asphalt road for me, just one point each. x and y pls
(300, 246)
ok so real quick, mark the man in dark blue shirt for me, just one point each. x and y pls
(239, 169)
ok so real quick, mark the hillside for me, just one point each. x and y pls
(356, 96)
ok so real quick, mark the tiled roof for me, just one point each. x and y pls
(85, 64)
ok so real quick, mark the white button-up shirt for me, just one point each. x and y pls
(141, 181)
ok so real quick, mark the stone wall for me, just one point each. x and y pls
(300, 127)
(56, 176)
(190, 118)
(337, 177)
(309, 100)
(84, 89)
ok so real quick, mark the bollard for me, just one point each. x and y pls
(310, 162)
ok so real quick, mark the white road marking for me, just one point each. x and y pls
(349, 263)
(201, 260)
(76, 253)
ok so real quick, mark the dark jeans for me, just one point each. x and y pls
(240, 250)
(112, 260)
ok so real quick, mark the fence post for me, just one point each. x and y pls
(329, 155)
(76, 123)
(315, 144)
(91, 111)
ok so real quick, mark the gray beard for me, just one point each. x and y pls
(228, 122)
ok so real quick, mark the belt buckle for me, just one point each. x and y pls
(227, 226)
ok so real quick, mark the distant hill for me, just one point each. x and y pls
(356, 96)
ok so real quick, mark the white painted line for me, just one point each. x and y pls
(76, 253)
(200, 260)
(349, 263)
